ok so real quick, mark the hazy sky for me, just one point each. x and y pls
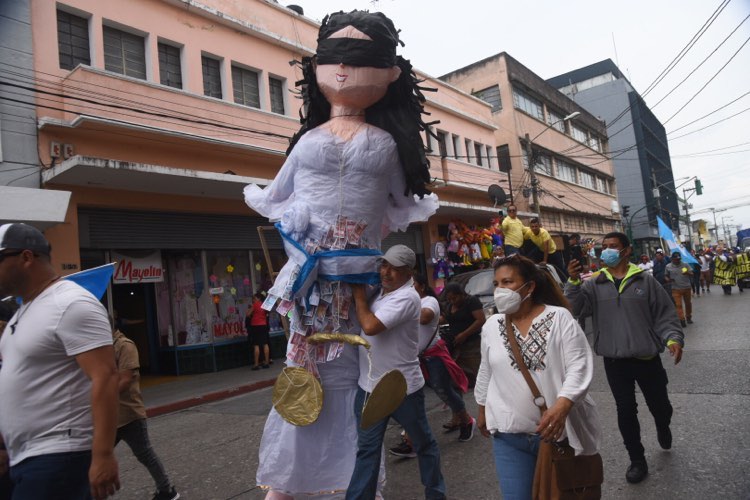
(552, 37)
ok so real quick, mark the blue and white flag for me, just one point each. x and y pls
(667, 235)
(95, 280)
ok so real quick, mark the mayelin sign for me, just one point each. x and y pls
(146, 269)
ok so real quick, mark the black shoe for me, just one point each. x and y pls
(665, 438)
(403, 450)
(256, 367)
(637, 471)
(266, 366)
(467, 431)
(683, 323)
(166, 495)
(690, 321)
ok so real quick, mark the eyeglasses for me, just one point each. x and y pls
(10, 254)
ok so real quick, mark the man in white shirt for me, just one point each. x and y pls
(390, 323)
(646, 265)
(58, 383)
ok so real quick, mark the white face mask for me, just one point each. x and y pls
(509, 301)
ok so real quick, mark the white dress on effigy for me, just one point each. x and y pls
(329, 195)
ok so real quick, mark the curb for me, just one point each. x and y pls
(156, 411)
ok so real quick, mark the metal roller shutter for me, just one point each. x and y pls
(125, 229)
(107, 229)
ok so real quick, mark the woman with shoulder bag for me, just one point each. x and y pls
(535, 326)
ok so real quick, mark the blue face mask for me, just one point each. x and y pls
(611, 256)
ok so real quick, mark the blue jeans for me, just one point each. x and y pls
(515, 461)
(412, 417)
(57, 476)
(510, 250)
(441, 382)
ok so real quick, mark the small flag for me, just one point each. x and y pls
(95, 280)
(668, 236)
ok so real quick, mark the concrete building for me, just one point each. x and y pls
(574, 175)
(638, 146)
(163, 111)
(20, 171)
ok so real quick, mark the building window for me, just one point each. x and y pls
(428, 139)
(170, 70)
(478, 152)
(574, 222)
(124, 53)
(488, 152)
(467, 145)
(595, 225)
(527, 104)
(578, 134)
(276, 91)
(490, 95)
(245, 84)
(442, 146)
(211, 77)
(565, 171)
(595, 143)
(602, 185)
(556, 121)
(542, 165)
(456, 146)
(72, 40)
(587, 180)
(551, 221)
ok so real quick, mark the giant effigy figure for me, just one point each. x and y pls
(355, 172)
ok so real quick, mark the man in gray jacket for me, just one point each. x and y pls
(634, 320)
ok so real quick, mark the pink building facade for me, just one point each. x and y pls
(574, 173)
(155, 116)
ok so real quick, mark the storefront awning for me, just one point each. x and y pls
(132, 176)
(41, 208)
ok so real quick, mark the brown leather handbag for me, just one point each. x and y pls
(559, 473)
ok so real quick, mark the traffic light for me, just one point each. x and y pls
(625, 211)
(698, 187)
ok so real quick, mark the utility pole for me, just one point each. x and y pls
(687, 217)
(532, 176)
(716, 226)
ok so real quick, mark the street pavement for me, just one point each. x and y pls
(211, 449)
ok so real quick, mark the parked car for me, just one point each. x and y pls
(479, 283)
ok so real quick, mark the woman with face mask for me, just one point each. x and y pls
(555, 350)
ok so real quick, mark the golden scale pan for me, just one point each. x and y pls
(298, 395)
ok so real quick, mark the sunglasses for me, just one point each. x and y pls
(10, 254)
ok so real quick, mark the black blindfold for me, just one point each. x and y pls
(356, 52)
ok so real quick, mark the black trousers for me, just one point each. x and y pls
(622, 375)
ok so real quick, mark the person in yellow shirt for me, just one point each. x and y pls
(512, 231)
(544, 242)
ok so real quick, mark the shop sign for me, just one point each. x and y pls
(216, 291)
(146, 269)
(229, 329)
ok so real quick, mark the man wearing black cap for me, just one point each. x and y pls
(58, 383)
(390, 324)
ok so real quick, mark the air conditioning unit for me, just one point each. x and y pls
(615, 207)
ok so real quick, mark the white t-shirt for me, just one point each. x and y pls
(396, 348)
(647, 266)
(705, 263)
(427, 332)
(45, 396)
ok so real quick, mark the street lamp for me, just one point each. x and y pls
(529, 156)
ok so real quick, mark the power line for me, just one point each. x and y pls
(709, 81)
(703, 61)
(709, 114)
